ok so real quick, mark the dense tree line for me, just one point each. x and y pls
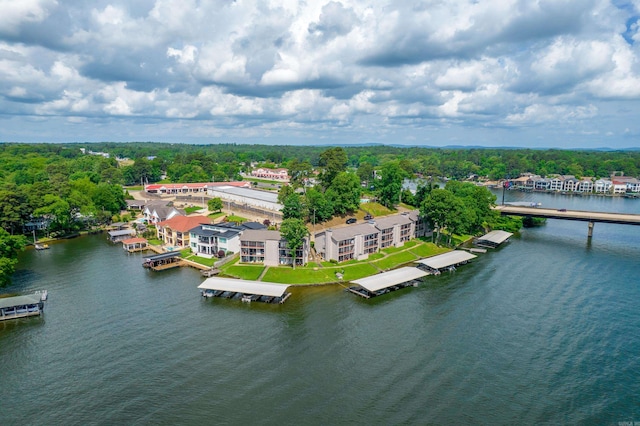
(75, 190)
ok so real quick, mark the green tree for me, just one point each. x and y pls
(299, 172)
(295, 232)
(319, 207)
(333, 161)
(293, 208)
(9, 247)
(440, 209)
(365, 173)
(344, 193)
(215, 204)
(390, 185)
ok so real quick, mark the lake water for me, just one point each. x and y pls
(543, 330)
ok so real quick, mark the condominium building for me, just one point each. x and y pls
(267, 247)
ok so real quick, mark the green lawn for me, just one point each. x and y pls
(201, 260)
(428, 249)
(155, 242)
(244, 272)
(376, 209)
(216, 215)
(288, 275)
(190, 210)
(395, 260)
(237, 219)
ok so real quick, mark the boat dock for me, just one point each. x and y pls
(163, 261)
(133, 245)
(244, 290)
(386, 282)
(447, 261)
(22, 306)
(493, 239)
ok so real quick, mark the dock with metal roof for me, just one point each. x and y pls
(493, 239)
(386, 282)
(447, 261)
(22, 306)
(245, 290)
(163, 261)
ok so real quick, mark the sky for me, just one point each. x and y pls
(516, 73)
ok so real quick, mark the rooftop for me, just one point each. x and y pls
(447, 259)
(184, 223)
(244, 286)
(391, 278)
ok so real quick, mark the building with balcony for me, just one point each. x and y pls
(174, 232)
(267, 247)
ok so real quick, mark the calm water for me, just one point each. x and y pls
(543, 330)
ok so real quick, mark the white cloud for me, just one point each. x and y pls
(318, 70)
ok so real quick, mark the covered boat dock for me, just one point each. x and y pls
(447, 261)
(121, 234)
(493, 239)
(245, 290)
(21, 306)
(162, 261)
(385, 282)
(135, 244)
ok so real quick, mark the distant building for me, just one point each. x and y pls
(189, 188)
(272, 174)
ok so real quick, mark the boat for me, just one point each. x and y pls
(37, 245)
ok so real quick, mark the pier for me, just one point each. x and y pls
(447, 261)
(163, 261)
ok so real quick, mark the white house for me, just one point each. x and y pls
(602, 186)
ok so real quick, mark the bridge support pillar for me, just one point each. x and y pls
(590, 234)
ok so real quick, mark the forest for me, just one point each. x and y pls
(75, 187)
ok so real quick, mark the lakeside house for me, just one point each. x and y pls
(158, 211)
(206, 240)
(175, 231)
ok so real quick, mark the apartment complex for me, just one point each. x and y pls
(175, 231)
(360, 240)
(268, 248)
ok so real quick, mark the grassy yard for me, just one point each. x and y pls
(375, 209)
(190, 210)
(237, 219)
(216, 215)
(395, 260)
(155, 242)
(244, 272)
(428, 249)
(201, 260)
(288, 275)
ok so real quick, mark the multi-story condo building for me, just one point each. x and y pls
(267, 247)
(602, 186)
(361, 240)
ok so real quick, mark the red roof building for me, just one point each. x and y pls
(190, 188)
(175, 231)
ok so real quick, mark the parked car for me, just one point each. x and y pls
(368, 217)
(352, 220)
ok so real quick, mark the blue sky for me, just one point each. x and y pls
(520, 73)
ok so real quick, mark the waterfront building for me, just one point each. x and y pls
(542, 184)
(207, 240)
(556, 183)
(158, 211)
(632, 184)
(618, 187)
(267, 247)
(360, 240)
(570, 183)
(585, 185)
(175, 231)
(602, 186)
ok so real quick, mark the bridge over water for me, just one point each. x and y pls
(579, 215)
